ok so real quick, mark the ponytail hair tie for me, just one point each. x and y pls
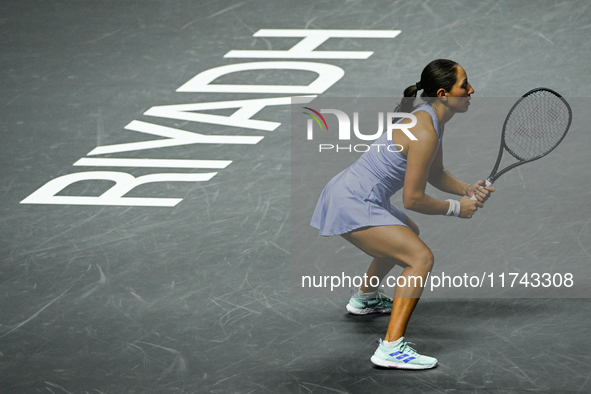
(419, 86)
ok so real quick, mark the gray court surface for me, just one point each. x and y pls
(146, 230)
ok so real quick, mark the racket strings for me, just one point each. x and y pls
(536, 125)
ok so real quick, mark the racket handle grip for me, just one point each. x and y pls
(488, 183)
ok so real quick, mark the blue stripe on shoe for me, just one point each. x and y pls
(409, 359)
(394, 354)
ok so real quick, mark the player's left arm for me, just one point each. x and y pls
(445, 181)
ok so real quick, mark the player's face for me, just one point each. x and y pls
(459, 95)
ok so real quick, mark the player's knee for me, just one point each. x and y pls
(424, 260)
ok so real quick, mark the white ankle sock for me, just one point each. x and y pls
(391, 344)
(367, 295)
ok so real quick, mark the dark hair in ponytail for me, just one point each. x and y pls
(439, 74)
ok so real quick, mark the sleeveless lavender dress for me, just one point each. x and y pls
(359, 196)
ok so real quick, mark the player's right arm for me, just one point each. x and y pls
(420, 155)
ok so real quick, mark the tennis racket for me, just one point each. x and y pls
(536, 124)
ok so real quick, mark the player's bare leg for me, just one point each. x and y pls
(400, 244)
(379, 268)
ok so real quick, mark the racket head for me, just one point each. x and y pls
(534, 127)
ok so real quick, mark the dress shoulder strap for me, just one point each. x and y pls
(427, 108)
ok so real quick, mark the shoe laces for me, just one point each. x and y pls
(407, 349)
(383, 298)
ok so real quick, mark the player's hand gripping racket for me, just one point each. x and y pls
(535, 125)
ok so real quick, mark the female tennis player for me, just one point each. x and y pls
(356, 205)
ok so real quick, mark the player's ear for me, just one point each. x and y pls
(441, 93)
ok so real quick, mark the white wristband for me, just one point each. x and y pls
(454, 208)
